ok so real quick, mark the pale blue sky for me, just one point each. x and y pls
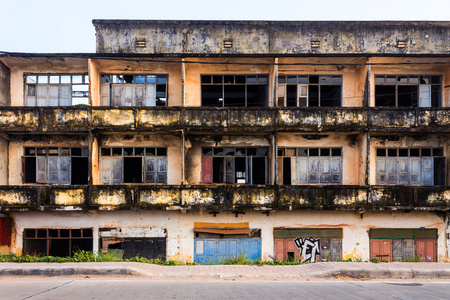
(66, 26)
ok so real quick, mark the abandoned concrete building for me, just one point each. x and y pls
(202, 140)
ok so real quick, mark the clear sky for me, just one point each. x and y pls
(60, 26)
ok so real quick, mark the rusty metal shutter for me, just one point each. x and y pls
(207, 169)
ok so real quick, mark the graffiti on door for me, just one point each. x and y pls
(309, 248)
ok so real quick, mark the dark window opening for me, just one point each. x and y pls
(330, 95)
(58, 165)
(287, 171)
(235, 165)
(132, 170)
(408, 91)
(57, 242)
(234, 90)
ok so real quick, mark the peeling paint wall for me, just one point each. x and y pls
(351, 149)
(270, 37)
(4, 145)
(180, 234)
(5, 98)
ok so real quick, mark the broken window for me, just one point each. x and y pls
(244, 165)
(408, 90)
(423, 166)
(309, 166)
(56, 89)
(62, 165)
(133, 165)
(309, 90)
(134, 90)
(57, 242)
(235, 90)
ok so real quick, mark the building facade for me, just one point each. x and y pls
(202, 140)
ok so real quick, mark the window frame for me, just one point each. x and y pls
(397, 157)
(264, 81)
(397, 83)
(45, 152)
(159, 156)
(247, 177)
(283, 153)
(308, 84)
(85, 81)
(160, 80)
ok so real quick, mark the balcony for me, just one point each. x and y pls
(223, 197)
(341, 119)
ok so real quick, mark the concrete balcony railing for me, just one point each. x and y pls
(340, 119)
(224, 197)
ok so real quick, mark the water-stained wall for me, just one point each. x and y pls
(270, 37)
(180, 234)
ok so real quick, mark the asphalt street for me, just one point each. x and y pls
(131, 288)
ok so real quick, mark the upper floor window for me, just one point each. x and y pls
(309, 90)
(310, 165)
(408, 90)
(245, 165)
(235, 90)
(133, 165)
(56, 89)
(134, 90)
(424, 166)
(61, 165)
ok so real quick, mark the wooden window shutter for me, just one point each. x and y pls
(105, 91)
(150, 98)
(41, 169)
(162, 170)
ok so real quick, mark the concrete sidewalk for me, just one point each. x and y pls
(317, 270)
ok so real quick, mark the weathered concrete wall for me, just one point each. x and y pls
(430, 140)
(173, 70)
(17, 145)
(180, 233)
(172, 142)
(194, 151)
(350, 143)
(192, 87)
(4, 161)
(411, 69)
(270, 37)
(5, 97)
(353, 77)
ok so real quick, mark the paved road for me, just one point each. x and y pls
(134, 289)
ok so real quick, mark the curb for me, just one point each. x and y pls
(64, 271)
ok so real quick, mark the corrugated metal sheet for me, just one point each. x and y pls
(216, 250)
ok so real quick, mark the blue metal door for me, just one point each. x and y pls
(215, 250)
